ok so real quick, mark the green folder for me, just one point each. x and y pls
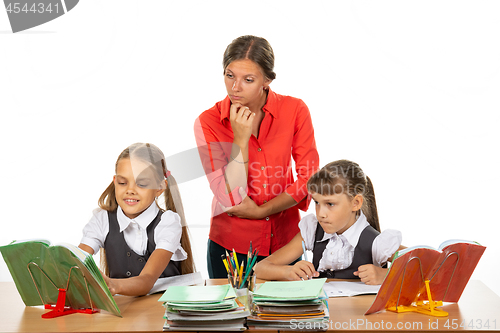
(195, 294)
(290, 290)
(40, 270)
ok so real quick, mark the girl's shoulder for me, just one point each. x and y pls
(100, 214)
(169, 217)
(308, 223)
(389, 234)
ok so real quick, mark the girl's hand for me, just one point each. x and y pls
(303, 270)
(247, 209)
(371, 274)
(241, 122)
(111, 284)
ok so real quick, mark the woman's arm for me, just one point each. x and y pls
(141, 284)
(306, 159)
(275, 267)
(248, 209)
(242, 119)
(224, 161)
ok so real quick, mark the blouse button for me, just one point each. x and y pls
(272, 235)
(262, 168)
(128, 273)
(264, 186)
(267, 218)
(265, 201)
(259, 149)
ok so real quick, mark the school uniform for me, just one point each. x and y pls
(339, 256)
(130, 242)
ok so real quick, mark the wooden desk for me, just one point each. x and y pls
(145, 314)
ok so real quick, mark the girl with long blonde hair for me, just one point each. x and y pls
(140, 242)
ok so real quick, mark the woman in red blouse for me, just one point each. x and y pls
(246, 142)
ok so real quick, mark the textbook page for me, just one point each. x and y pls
(288, 290)
(179, 280)
(195, 294)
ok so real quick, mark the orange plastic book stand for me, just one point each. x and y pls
(60, 308)
(422, 279)
(428, 308)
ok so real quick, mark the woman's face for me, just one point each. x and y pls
(245, 82)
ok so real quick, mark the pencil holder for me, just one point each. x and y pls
(243, 296)
(248, 283)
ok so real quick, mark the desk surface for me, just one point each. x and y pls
(477, 308)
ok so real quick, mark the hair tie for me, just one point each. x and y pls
(167, 173)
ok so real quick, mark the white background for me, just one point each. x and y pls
(409, 90)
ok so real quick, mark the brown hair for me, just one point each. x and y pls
(151, 154)
(254, 48)
(346, 177)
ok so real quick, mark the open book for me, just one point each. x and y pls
(40, 270)
(447, 269)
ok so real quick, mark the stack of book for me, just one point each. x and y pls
(290, 305)
(203, 308)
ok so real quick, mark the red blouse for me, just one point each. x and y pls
(286, 131)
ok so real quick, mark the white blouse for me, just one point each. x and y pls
(339, 251)
(167, 234)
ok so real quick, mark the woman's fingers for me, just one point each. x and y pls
(233, 111)
(240, 111)
(245, 113)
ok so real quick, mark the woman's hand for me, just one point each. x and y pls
(302, 270)
(247, 209)
(371, 274)
(241, 122)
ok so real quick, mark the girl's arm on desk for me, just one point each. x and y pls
(276, 266)
(373, 275)
(141, 284)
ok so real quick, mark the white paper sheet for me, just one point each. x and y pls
(345, 288)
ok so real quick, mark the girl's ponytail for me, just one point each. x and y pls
(173, 202)
(107, 200)
(370, 209)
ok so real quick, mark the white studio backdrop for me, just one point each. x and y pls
(409, 90)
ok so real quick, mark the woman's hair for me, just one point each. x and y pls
(152, 155)
(254, 48)
(346, 177)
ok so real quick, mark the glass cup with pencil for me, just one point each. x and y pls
(240, 277)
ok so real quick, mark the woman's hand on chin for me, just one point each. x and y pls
(241, 122)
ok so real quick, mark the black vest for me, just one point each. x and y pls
(362, 253)
(123, 262)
